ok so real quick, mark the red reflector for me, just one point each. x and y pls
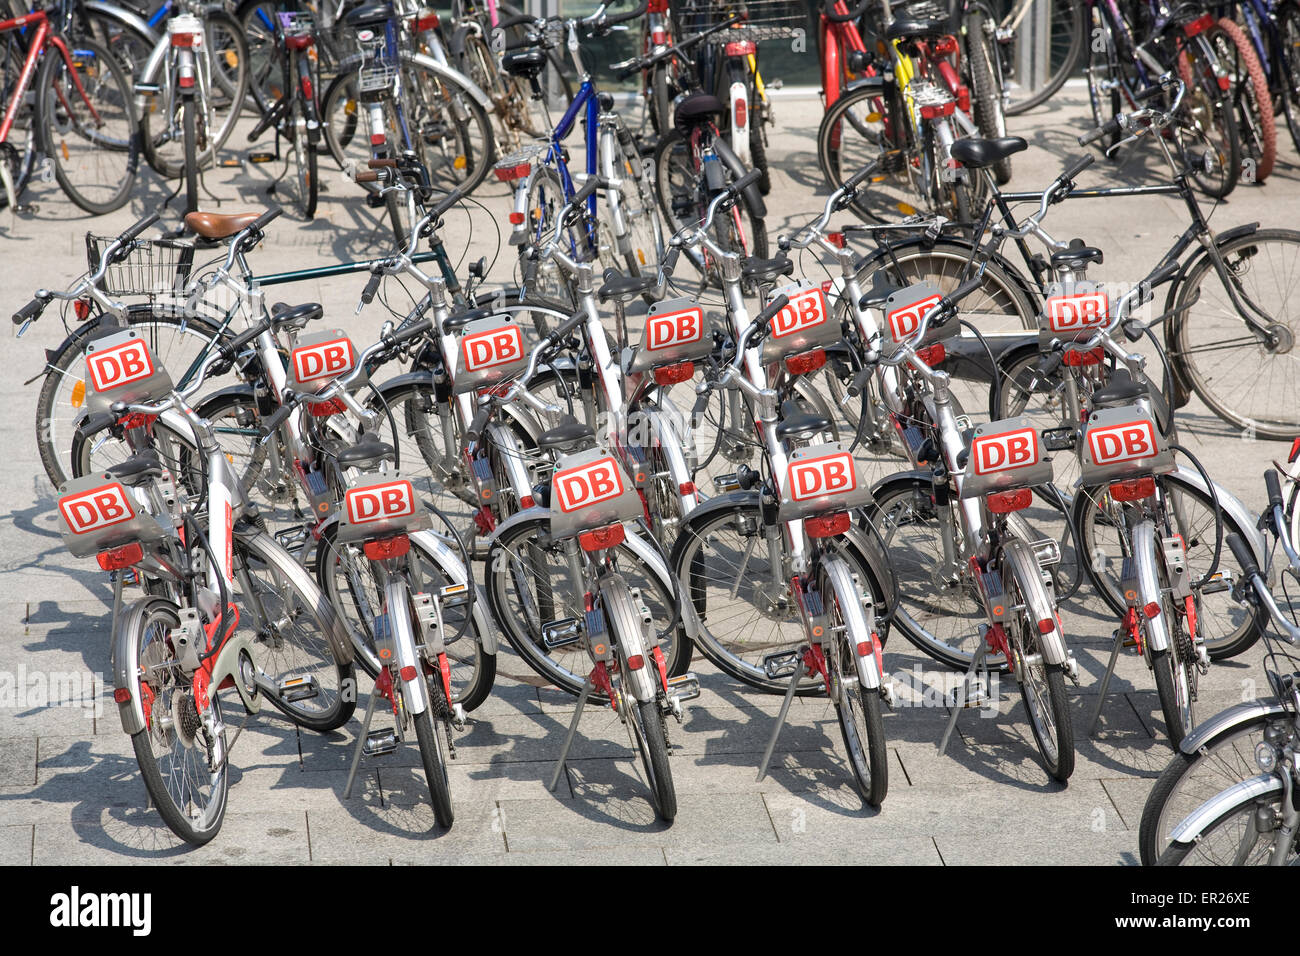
(635, 662)
(186, 82)
(657, 6)
(687, 487)
(807, 362)
(183, 39)
(963, 98)
(527, 501)
(932, 355)
(1224, 82)
(1151, 610)
(598, 538)
(1199, 25)
(659, 36)
(300, 42)
(82, 308)
(864, 648)
(509, 174)
(1047, 625)
(334, 406)
(377, 139)
(306, 88)
(1004, 502)
(427, 20)
(393, 547)
(1076, 358)
(836, 239)
(938, 110)
(672, 374)
(1133, 490)
(1295, 450)
(408, 673)
(740, 48)
(827, 526)
(122, 557)
(121, 695)
(516, 219)
(742, 113)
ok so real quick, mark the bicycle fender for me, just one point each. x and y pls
(1238, 715)
(753, 198)
(855, 619)
(123, 15)
(622, 619)
(126, 648)
(1252, 788)
(1053, 642)
(398, 595)
(453, 568)
(511, 458)
(455, 76)
(665, 430)
(876, 83)
(157, 58)
(1148, 583)
(1231, 505)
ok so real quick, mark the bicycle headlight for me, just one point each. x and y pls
(1265, 756)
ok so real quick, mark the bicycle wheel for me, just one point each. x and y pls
(731, 569)
(1288, 61)
(1049, 401)
(306, 187)
(641, 242)
(1027, 81)
(857, 707)
(1251, 98)
(1206, 126)
(265, 69)
(189, 130)
(986, 98)
(448, 128)
(520, 117)
(1042, 685)
(529, 586)
(18, 152)
(292, 622)
(429, 722)
(355, 590)
(87, 126)
(1235, 838)
(1192, 778)
(858, 129)
(1243, 381)
(646, 723)
(545, 199)
(1174, 667)
(1227, 627)
(183, 767)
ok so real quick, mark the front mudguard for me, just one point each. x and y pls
(1245, 791)
(1227, 721)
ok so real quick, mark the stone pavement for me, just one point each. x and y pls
(70, 790)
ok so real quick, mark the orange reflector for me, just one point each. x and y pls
(1134, 489)
(599, 538)
(123, 557)
(827, 526)
(672, 374)
(393, 547)
(806, 362)
(1004, 502)
(78, 393)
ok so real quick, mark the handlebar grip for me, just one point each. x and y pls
(31, 311)
(1109, 128)
(588, 189)
(1148, 93)
(1274, 486)
(414, 330)
(1082, 163)
(451, 199)
(366, 176)
(1241, 551)
(745, 181)
(478, 423)
(828, 10)
(631, 67)
(520, 20)
(264, 220)
(96, 423)
(386, 163)
(963, 290)
(235, 345)
(1163, 274)
(624, 17)
(670, 260)
(565, 327)
(135, 231)
(372, 286)
(776, 305)
(858, 178)
(277, 418)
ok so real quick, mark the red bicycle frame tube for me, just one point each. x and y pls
(40, 39)
(835, 39)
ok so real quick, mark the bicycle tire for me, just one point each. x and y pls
(307, 193)
(189, 132)
(638, 206)
(1071, 25)
(986, 102)
(1234, 843)
(652, 744)
(63, 126)
(1205, 117)
(881, 125)
(1254, 101)
(1288, 27)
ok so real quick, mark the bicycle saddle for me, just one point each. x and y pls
(215, 225)
(137, 469)
(976, 153)
(625, 288)
(454, 323)
(525, 63)
(568, 436)
(1076, 256)
(1122, 390)
(696, 109)
(369, 450)
(796, 423)
(295, 316)
(906, 28)
(368, 14)
(766, 270)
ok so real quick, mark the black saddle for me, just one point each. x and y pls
(1076, 256)
(526, 63)
(796, 423)
(625, 288)
(907, 28)
(565, 437)
(368, 15)
(766, 270)
(295, 316)
(367, 451)
(697, 108)
(137, 469)
(975, 153)
(1122, 390)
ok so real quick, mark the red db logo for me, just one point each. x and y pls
(380, 502)
(492, 348)
(1117, 443)
(1009, 450)
(674, 328)
(817, 477)
(323, 360)
(120, 365)
(93, 510)
(807, 310)
(1074, 313)
(588, 484)
(905, 321)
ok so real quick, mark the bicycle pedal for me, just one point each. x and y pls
(976, 699)
(1220, 582)
(561, 633)
(726, 483)
(684, 688)
(454, 595)
(294, 689)
(1047, 551)
(230, 164)
(379, 742)
(257, 158)
(781, 664)
(887, 692)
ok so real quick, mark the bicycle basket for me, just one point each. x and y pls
(149, 267)
(761, 19)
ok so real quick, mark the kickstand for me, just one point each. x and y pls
(361, 740)
(1105, 681)
(587, 688)
(959, 705)
(780, 717)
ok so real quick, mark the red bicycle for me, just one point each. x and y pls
(80, 126)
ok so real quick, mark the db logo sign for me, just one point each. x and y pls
(93, 510)
(1009, 450)
(1073, 313)
(492, 348)
(832, 475)
(588, 484)
(120, 365)
(806, 310)
(905, 321)
(323, 360)
(1117, 443)
(674, 328)
(380, 502)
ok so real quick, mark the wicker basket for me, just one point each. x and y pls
(150, 266)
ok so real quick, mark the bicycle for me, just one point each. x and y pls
(1020, 33)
